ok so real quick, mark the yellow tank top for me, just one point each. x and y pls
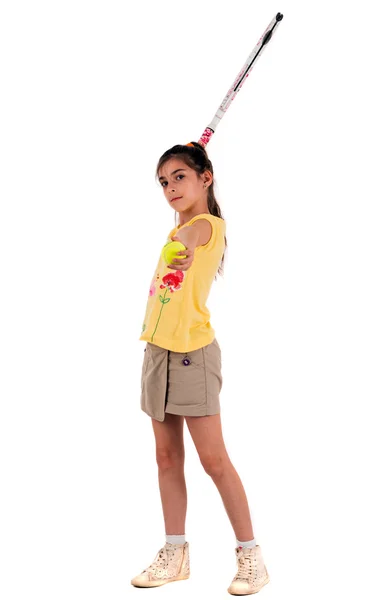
(177, 317)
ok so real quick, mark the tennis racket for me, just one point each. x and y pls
(241, 78)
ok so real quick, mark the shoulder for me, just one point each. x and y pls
(204, 228)
(207, 224)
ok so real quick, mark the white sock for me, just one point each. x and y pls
(250, 544)
(176, 539)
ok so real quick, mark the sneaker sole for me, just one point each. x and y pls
(253, 592)
(158, 583)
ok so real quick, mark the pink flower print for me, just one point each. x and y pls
(152, 287)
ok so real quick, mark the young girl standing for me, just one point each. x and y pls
(181, 373)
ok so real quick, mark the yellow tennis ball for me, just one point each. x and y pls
(170, 250)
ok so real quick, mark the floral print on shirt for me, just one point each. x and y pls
(171, 282)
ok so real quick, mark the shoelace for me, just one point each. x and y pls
(247, 568)
(160, 560)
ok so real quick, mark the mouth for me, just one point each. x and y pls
(174, 199)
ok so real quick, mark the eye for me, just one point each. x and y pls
(163, 183)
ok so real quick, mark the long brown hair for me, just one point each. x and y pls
(196, 158)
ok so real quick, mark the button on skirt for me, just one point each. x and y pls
(181, 383)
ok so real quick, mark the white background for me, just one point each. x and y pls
(92, 94)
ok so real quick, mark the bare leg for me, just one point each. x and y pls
(234, 498)
(207, 436)
(170, 456)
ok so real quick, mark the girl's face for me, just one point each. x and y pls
(183, 187)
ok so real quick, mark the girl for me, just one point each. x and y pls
(181, 374)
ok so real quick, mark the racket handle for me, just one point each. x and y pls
(207, 134)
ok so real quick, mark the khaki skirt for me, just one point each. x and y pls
(181, 383)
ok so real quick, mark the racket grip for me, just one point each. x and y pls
(206, 136)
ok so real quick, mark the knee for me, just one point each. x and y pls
(214, 465)
(168, 458)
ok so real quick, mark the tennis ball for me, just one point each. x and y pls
(170, 250)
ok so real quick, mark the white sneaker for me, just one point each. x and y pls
(252, 573)
(172, 563)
